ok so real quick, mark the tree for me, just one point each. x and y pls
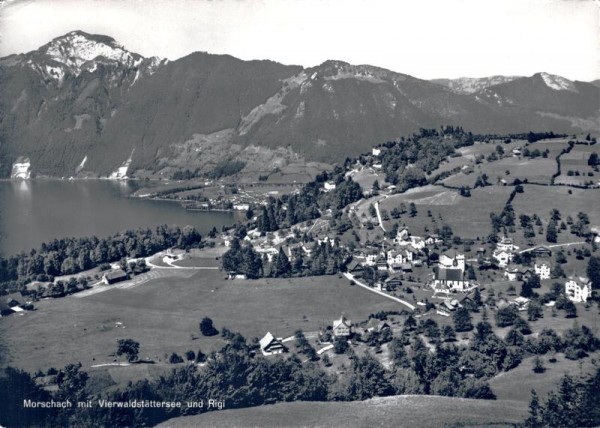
(340, 345)
(462, 320)
(533, 420)
(551, 232)
(593, 160)
(207, 328)
(175, 359)
(71, 382)
(593, 271)
(538, 365)
(128, 347)
(413, 210)
(448, 334)
(190, 355)
(282, 266)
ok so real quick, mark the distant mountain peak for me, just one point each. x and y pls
(77, 48)
(558, 83)
(470, 85)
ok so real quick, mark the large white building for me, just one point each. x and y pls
(578, 290)
(542, 269)
(449, 274)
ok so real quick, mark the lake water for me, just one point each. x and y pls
(32, 212)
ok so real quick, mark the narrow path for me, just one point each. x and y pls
(381, 293)
(379, 216)
(526, 250)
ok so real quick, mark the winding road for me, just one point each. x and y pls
(381, 293)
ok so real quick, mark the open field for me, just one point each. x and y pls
(541, 199)
(505, 385)
(538, 170)
(398, 411)
(468, 217)
(163, 315)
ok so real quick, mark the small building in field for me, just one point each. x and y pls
(355, 268)
(342, 327)
(329, 186)
(376, 151)
(522, 303)
(114, 276)
(512, 273)
(542, 251)
(270, 345)
(578, 289)
(376, 325)
(448, 306)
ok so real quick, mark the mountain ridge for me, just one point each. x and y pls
(83, 105)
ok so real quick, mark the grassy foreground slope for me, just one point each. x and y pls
(398, 411)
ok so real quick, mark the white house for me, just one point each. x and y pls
(328, 186)
(417, 242)
(512, 273)
(376, 151)
(506, 244)
(342, 327)
(578, 290)
(503, 257)
(542, 269)
(402, 236)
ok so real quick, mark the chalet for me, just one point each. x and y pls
(512, 273)
(522, 303)
(516, 152)
(376, 325)
(115, 276)
(395, 267)
(542, 269)
(448, 306)
(432, 239)
(503, 257)
(241, 207)
(309, 247)
(376, 151)
(382, 263)
(406, 267)
(395, 257)
(393, 282)
(269, 345)
(507, 244)
(342, 327)
(542, 251)
(578, 289)
(355, 268)
(449, 274)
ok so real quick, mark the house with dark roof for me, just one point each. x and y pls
(269, 345)
(114, 276)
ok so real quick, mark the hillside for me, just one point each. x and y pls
(82, 105)
(398, 411)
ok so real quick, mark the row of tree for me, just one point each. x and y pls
(71, 255)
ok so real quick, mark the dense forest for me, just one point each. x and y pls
(324, 259)
(310, 202)
(71, 255)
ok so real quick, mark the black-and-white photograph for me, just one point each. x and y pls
(299, 213)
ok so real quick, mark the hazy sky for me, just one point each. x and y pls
(424, 38)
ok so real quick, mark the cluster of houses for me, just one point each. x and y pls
(340, 328)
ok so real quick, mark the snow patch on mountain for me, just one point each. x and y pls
(558, 83)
